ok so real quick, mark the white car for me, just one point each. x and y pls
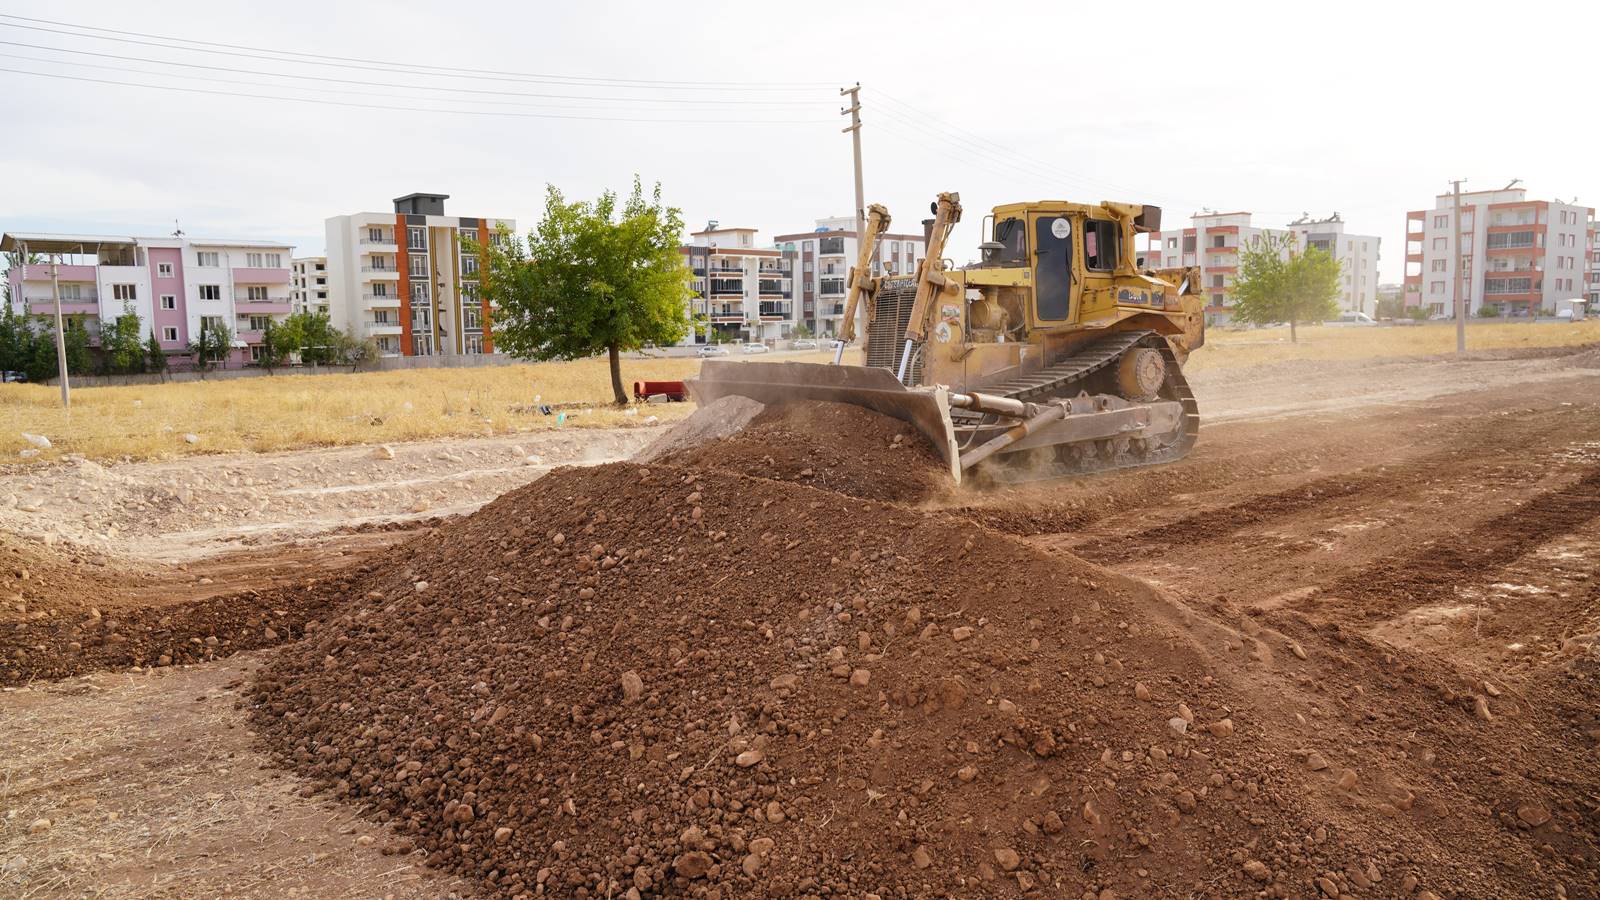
(803, 344)
(713, 350)
(1353, 318)
(755, 348)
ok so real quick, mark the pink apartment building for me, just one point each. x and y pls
(172, 283)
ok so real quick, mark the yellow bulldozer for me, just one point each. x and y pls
(1057, 354)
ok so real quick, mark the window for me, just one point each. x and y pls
(1099, 245)
(1172, 262)
(206, 258)
(1441, 221)
(253, 260)
(259, 323)
(255, 353)
(211, 323)
(322, 280)
(125, 292)
(71, 292)
(381, 317)
(256, 293)
(169, 333)
(810, 246)
(419, 266)
(1439, 243)
(379, 289)
(894, 248)
(322, 295)
(1219, 240)
(375, 236)
(1437, 265)
(417, 238)
(1216, 259)
(274, 260)
(1435, 287)
(1013, 238)
(1218, 299)
(169, 301)
(469, 266)
(419, 292)
(164, 270)
(1172, 243)
(1216, 281)
(210, 292)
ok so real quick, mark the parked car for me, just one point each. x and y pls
(713, 350)
(755, 348)
(1353, 318)
(803, 344)
(13, 376)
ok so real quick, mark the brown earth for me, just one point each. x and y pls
(833, 446)
(1386, 568)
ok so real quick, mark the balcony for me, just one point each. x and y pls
(777, 310)
(832, 310)
(377, 274)
(78, 307)
(381, 299)
(269, 306)
(41, 272)
(257, 275)
(375, 329)
(1229, 248)
(380, 242)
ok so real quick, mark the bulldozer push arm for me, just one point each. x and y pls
(861, 280)
(930, 278)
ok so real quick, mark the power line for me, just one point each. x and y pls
(346, 62)
(424, 87)
(413, 109)
(215, 80)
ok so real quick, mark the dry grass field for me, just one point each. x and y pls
(290, 412)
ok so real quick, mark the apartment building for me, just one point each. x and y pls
(1215, 240)
(308, 284)
(823, 257)
(174, 284)
(742, 292)
(1591, 274)
(1517, 256)
(405, 279)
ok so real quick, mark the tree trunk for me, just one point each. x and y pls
(616, 374)
(1292, 338)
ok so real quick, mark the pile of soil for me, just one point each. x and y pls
(115, 636)
(838, 447)
(39, 583)
(644, 680)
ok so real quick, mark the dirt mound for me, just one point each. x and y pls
(714, 421)
(642, 681)
(164, 634)
(39, 583)
(834, 446)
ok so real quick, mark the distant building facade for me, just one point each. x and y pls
(174, 284)
(405, 280)
(742, 292)
(823, 257)
(308, 284)
(1518, 256)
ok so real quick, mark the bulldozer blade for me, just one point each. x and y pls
(925, 409)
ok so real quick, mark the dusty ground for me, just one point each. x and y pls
(1445, 511)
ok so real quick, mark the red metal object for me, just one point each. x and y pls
(673, 390)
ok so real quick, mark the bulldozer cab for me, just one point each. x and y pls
(1070, 251)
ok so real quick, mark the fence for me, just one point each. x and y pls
(381, 364)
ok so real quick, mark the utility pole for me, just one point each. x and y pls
(1461, 276)
(61, 336)
(854, 130)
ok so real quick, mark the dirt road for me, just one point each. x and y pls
(1425, 534)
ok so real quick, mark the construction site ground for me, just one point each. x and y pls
(1443, 512)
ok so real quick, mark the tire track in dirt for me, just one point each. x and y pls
(1436, 571)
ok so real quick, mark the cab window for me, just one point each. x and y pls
(1099, 245)
(1012, 234)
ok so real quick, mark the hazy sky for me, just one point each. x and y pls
(1367, 109)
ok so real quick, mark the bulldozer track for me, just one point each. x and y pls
(1060, 379)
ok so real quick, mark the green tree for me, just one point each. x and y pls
(1488, 311)
(1278, 284)
(14, 347)
(155, 357)
(211, 346)
(311, 335)
(595, 277)
(38, 346)
(802, 332)
(275, 346)
(79, 362)
(121, 350)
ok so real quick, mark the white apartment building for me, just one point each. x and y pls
(742, 292)
(1591, 291)
(822, 260)
(175, 284)
(1214, 242)
(1516, 255)
(405, 280)
(308, 284)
